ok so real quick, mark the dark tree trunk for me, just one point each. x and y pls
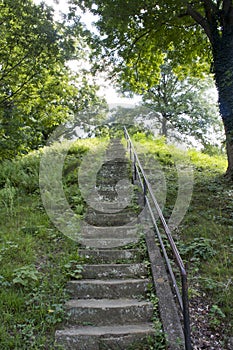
(223, 68)
(164, 126)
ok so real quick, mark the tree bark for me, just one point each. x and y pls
(223, 69)
(164, 126)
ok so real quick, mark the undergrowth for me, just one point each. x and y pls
(204, 237)
(36, 259)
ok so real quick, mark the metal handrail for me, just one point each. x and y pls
(182, 297)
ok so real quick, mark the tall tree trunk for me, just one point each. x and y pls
(223, 67)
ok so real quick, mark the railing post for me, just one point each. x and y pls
(144, 190)
(134, 168)
(187, 332)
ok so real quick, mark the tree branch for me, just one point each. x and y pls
(5, 72)
(17, 90)
(200, 20)
(20, 88)
(137, 39)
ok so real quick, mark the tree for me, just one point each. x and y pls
(184, 108)
(37, 89)
(194, 35)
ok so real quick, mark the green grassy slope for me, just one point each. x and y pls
(36, 259)
(205, 236)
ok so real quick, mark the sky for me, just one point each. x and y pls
(106, 88)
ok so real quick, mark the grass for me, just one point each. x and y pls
(37, 260)
(204, 236)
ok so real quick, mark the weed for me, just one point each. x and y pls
(73, 270)
(216, 315)
(26, 276)
(200, 248)
(7, 197)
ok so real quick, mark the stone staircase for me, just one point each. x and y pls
(108, 308)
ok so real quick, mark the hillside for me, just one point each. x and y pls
(204, 237)
(37, 260)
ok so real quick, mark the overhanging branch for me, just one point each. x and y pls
(137, 39)
(200, 20)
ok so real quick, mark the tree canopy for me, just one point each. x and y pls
(184, 109)
(38, 91)
(136, 36)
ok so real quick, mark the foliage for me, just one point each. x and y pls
(7, 196)
(137, 28)
(204, 237)
(73, 270)
(196, 37)
(37, 89)
(184, 109)
(36, 259)
(173, 109)
(25, 276)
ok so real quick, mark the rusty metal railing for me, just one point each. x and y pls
(152, 204)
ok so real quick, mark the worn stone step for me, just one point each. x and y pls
(119, 232)
(109, 201)
(106, 243)
(111, 289)
(116, 146)
(97, 218)
(115, 155)
(117, 161)
(104, 312)
(112, 202)
(110, 255)
(120, 271)
(105, 337)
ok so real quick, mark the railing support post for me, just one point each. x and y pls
(187, 332)
(144, 190)
(134, 168)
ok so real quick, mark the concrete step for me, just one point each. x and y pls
(98, 218)
(117, 161)
(120, 232)
(108, 289)
(110, 202)
(106, 243)
(120, 271)
(105, 312)
(115, 154)
(105, 337)
(110, 255)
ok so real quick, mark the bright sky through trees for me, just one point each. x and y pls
(106, 89)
